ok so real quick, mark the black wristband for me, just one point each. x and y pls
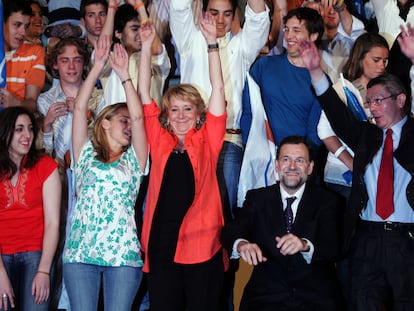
(212, 46)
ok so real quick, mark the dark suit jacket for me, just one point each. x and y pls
(365, 139)
(289, 279)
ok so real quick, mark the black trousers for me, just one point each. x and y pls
(179, 287)
(382, 267)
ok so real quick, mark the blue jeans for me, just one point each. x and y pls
(21, 269)
(228, 172)
(83, 282)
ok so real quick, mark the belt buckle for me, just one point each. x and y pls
(388, 226)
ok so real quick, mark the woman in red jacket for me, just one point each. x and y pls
(183, 215)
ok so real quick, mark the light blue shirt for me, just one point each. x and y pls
(402, 209)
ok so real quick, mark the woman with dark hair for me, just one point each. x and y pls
(29, 214)
(102, 246)
(183, 215)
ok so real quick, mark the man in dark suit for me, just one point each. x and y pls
(291, 245)
(380, 237)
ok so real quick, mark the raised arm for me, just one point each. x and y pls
(80, 126)
(406, 41)
(144, 18)
(108, 28)
(119, 64)
(257, 5)
(311, 59)
(217, 102)
(147, 32)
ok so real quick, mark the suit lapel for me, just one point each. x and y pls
(274, 207)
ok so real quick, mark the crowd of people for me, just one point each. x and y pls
(119, 184)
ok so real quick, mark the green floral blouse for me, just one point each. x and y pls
(103, 228)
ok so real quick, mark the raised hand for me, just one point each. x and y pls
(311, 59)
(147, 33)
(119, 61)
(102, 49)
(208, 27)
(406, 41)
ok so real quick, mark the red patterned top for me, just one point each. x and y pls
(21, 209)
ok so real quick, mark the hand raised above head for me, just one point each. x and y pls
(147, 33)
(406, 41)
(120, 61)
(208, 27)
(102, 48)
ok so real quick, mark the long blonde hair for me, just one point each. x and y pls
(99, 140)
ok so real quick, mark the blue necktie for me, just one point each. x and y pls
(289, 213)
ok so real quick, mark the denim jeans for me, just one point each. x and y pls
(228, 172)
(83, 282)
(21, 269)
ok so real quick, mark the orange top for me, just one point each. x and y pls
(25, 66)
(199, 234)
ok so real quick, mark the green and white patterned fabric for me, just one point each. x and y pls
(103, 228)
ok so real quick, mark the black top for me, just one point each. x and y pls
(175, 198)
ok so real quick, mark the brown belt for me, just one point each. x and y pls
(233, 131)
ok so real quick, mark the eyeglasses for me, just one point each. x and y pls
(289, 160)
(378, 101)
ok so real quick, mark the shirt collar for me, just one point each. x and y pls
(396, 130)
(298, 194)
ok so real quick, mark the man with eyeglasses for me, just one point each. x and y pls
(379, 221)
(291, 233)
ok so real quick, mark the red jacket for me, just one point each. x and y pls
(199, 235)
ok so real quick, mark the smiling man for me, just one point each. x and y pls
(285, 85)
(290, 233)
(25, 68)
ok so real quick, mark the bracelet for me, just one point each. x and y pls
(43, 272)
(145, 20)
(339, 5)
(212, 50)
(113, 6)
(339, 151)
(126, 80)
(214, 46)
(138, 5)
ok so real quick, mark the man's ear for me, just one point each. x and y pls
(314, 36)
(118, 35)
(401, 98)
(310, 168)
